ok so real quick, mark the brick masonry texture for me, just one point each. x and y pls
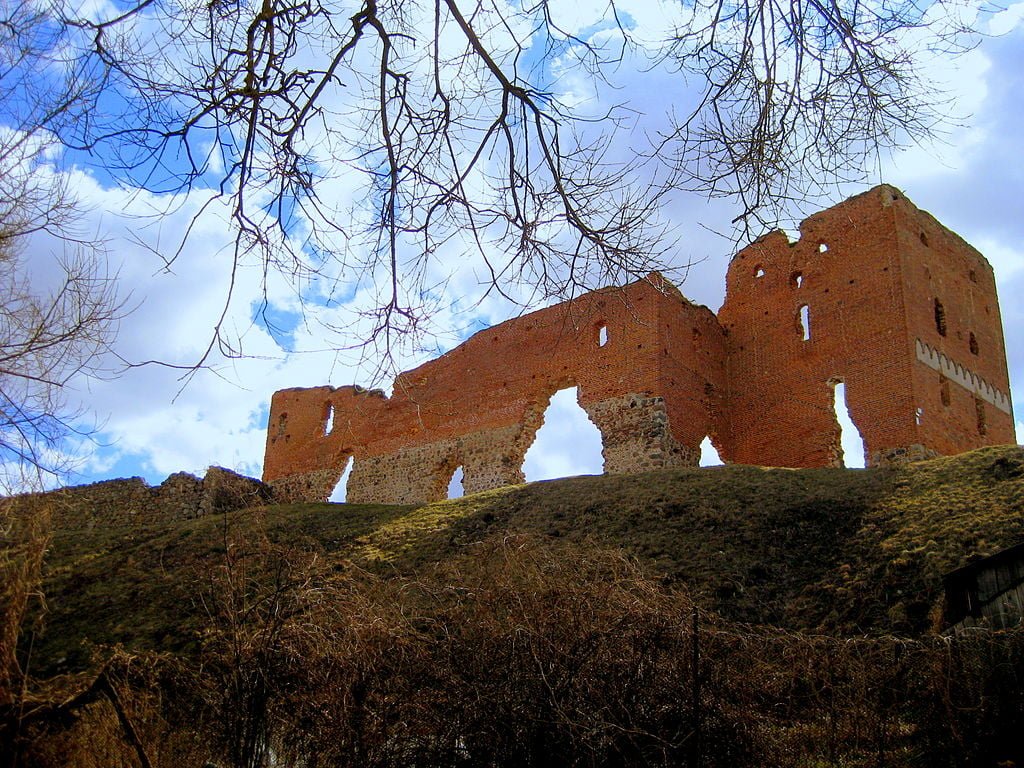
(875, 294)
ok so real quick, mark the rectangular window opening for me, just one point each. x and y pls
(803, 322)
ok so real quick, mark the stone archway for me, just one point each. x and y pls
(566, 442)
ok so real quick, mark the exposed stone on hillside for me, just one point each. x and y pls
(127, 501)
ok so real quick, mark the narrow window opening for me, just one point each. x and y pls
(329, 420)
(709, 454)
(602, 335)
(567, 442)
(979, 410)
(341, 488)
(852, 450)
(918, 416)
(803, 322)
(924, 239)
(972, 276)
(972, 342)
(944, 390)
(758, 271)
(940, 318)
(796, 279)
(822, 248)
(282, 424)
(456, 486)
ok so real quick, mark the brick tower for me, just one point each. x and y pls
(878, 295)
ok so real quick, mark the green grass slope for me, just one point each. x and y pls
(842, 551)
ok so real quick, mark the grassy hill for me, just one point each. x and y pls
(825, 550)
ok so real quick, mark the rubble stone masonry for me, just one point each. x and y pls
(130, 502)
(875, 294)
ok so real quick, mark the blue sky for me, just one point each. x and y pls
(153, 423)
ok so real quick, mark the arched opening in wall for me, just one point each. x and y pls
(456, 489)
(851, 444)
(709, 454)
(329, 420)
(567, 442)
(602, 335)
(341, 489)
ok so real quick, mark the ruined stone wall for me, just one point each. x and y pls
(131, 501)
(694, 377)
(479, 406)
(854, 300)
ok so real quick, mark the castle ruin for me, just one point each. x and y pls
(875, 294)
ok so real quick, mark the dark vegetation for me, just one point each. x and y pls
(549, 624)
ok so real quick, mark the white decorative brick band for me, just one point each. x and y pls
(966, 378)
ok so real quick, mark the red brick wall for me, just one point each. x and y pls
(868, 270)
(938, 265)
(870, 295)
(503, 377)
(780, 399)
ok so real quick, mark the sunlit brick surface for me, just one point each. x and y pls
(875, 293)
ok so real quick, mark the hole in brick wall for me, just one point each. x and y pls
(944, 390)
(972, 342)
(282, 424)
(602, 335)
(979, 410)
(918, 416)
(924, 239)
(822, 248)
(341, 489)
(709, 454)
(567, 443)
(851, 443)
(758, 271)
(456, 490)
(803, 322)
(796, 280)
(329, 420)
(972, 276)
(940, 318)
